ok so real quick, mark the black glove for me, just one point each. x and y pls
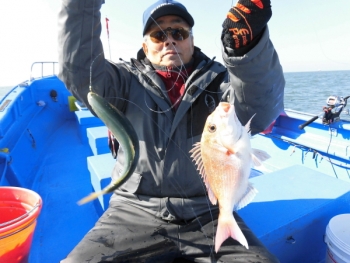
(245, 22)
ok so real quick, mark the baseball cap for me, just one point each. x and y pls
(164, 8)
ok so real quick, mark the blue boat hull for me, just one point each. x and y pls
(62, 154)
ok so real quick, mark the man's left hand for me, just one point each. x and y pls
(244, 21)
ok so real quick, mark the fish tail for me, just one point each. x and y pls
(90, 197)
(228, 227)
(106, 190)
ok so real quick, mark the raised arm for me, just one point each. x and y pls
(253, 64)
(81, 57)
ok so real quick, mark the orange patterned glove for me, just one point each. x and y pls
(245, 21)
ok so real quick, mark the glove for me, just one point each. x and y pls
(245, 21)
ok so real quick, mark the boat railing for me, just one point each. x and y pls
(43, 68)
(38, 70)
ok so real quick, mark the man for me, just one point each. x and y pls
(162, 213)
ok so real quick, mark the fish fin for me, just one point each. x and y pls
(259, 156)
(196, 152)
(197, 157)
(228, 227)
(247, 126)
(89, 198)
(211, 195)
(247, 197)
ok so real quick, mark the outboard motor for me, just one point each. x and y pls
(335, 105)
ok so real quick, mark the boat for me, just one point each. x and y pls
(54, 146)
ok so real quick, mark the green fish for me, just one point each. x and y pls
(125, 134)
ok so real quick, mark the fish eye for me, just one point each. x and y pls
(212, 128)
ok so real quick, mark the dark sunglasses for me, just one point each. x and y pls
(177, 34)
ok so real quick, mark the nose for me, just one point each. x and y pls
(170, 41)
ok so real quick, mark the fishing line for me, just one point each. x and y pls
(165, 169)
(92, 37)
(91, 47)
(175, 104)
(175, 183)
(329, 144)
(315, 153)
(90, 84)
(182, 64)
(207, 199)
(179, 68)
(327, 33)
(181, 191)
(324, 53)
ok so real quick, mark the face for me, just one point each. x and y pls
(171, 52)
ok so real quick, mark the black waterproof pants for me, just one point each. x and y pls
(125, 233)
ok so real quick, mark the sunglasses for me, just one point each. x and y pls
(178, 34)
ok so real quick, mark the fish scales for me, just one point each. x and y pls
(224, 158)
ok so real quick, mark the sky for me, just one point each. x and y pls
(309, 35)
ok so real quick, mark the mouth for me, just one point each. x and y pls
(225, 109)
(171, 53)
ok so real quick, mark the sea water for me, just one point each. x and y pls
(304, 91)
(308, 91)
(4, 90)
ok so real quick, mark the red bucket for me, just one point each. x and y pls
(19, 209)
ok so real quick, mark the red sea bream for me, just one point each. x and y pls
(224, 158)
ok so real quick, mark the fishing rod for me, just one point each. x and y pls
(109, 44)
(330, 113)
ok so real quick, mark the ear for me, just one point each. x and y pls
(145, 48)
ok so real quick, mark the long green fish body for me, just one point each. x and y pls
(125, 134)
